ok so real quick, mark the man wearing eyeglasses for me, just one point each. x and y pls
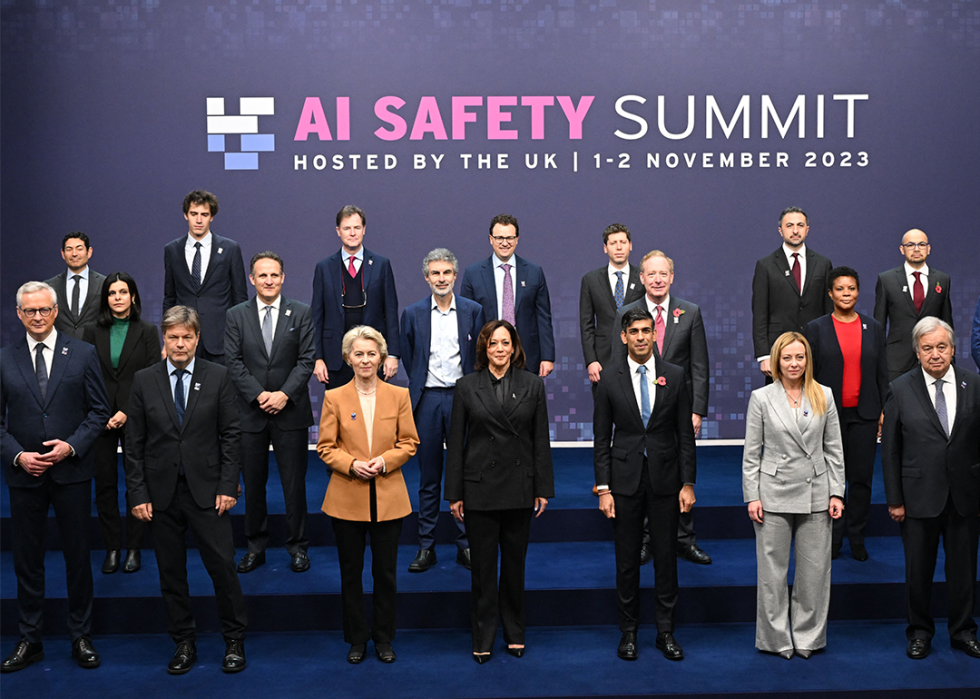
(511, 288)
(907, 294)
(354, 286)
(53, 406)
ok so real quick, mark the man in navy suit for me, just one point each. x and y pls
(79, 288)
(53, 406)
(269, 354)
(354, 286)
(930, 456)
(205, 272)
(438, 347)
(513, 289)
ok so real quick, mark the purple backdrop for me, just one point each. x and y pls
(105, 119)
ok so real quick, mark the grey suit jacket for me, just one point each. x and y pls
(597, 311)
(67, 322)
(791, 469)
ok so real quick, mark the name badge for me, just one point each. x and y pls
(197, 387)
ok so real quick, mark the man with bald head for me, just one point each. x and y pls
(907, 294)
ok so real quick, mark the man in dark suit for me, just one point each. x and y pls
(354, 286)
(204, 271)
(788, 288)
(930, 451)
(680, 340)
(512, 289)
(907, 294)
(183, 450)
(605, 291)
(53, 407)
(78, 288)
(645, 465)
(438, 348)
(269, 351)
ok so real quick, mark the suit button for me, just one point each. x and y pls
(518, 463)
(493, 463)
(784, 457)
(807, 480)
(491, 438)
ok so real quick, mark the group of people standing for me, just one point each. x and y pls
(233, 380)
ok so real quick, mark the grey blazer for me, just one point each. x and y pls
(792, 469)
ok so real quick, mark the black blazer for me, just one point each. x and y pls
(828, 363)
(141, 349)
(67, 322)
(895, 310)
(498, 457)
(223, 286)
(621, 438)
(777, 306)
(597, 311)
(288, 369)
(685, 345)
(208, 444)
(922, 467)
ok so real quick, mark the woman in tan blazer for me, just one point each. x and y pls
(366, 435)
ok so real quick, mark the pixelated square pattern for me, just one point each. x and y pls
(244, 124)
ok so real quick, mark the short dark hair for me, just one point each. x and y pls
(105, 313)
(76, 234)
(266, 255)
(351, 210)
(793, 210)
(616, 228)
(505, 220)
(200, 196)
(634, 314)
(838, 272)
(518, 362)
(181, 315)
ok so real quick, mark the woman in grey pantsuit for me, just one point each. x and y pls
(793, 482)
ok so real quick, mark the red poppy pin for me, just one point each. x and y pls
(939, 289)
(678, 312)
(661, 381)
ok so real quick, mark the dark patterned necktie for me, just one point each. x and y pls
(620, 294)
(179, 401)
(196, 266)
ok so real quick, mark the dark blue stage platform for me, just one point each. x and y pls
(295, 646)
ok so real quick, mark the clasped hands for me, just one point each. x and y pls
(368, 470)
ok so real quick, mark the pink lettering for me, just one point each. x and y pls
(575, 115)
(496, 117)
(428, 120)
(384, 110)
(537, 105)
(461, 116)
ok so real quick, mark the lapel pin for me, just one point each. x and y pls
(963, 384)
(469, 338)
(64, 350)
(806, 412)
(786, 273)
(197, 387)
(864, 326)
(632, 286)
(905, 289)
(513, 395)
(289, 312)
(353, 416)
(220, 250)
(676, 320)
(523, 283)
(939, 289)
(370, 262)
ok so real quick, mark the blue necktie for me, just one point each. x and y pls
(179, 395)
(644, 395)
(941, 406)
(196, 267)
(620, 294)
(41, 370)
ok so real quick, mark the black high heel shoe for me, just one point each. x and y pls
(516, 652)
(481, 658)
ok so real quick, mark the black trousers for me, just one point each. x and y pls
(28, 524)
(921, 540)
(291, 457)
(351, 537)
(860, 439)
(217, 549)
(662, 511)
(685, 530)
(490, 532)
(107, 494)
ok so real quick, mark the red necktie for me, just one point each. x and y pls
(797, 273)
(350, 267)
(660, 328)
(918, 293)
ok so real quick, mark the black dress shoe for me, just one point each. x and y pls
(834, 551)
(356, 653)
(481, 658)
(970, 646)
(251, 561)
(516, 652)
(694, 554)
(627, 646)
(184, 659)
(234, 660)
(111, 563)
(858, 552)
(918, 648)
(385, 652)
(300, 562)
(24, 654)
(463, 558)
(646, 554)
(133, 561)
(424, 559)
(669, 647)
(84, 653)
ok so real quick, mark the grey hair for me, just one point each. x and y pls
(181, 315)
(363, 332)
(32, 287)
(439, 255)
(928, 325)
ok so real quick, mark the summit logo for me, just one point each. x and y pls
(245, 125)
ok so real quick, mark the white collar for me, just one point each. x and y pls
(51, 341)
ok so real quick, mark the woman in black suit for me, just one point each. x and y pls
(849, 358)
(498, 474)
(125, 344)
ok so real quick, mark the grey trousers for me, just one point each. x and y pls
(783, 623)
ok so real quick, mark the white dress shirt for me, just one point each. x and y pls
(498, 276)
(651, 379)
(190, 250)
(910, 280)
(445, 361)
(358, 259)
(611, 272)
(82, 288)
(50, 342)
(802, 258)
(652, 307)
(185, 379)
(949, 392)
(262, 305)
